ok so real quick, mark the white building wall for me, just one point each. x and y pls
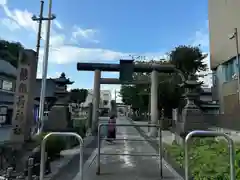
(105, 96)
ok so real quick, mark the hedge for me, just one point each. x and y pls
(208, 158)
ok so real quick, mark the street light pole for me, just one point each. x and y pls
(235, 37)
(45, 64)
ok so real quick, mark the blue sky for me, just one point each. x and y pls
(105, 31)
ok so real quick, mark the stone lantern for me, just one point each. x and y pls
(59, 118)
(191, 117)
(61, 92)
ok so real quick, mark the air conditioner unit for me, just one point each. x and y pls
(234, 77)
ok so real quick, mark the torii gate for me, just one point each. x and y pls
(126, 68)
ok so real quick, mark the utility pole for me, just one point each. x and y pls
(39, 20)
(45, 58)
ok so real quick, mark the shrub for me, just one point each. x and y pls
(208, 158)
(54, 145)
(79, 128)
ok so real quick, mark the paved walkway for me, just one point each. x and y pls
(119, 167)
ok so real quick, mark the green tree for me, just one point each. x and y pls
(9, 51)
(189, 59)
(78, 95)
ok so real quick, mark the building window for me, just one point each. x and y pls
(230, 70)
(105, 102)
(3, 114)
(214, 78)
(7, 85)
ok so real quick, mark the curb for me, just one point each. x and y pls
(87, 164)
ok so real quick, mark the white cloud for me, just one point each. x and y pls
(84, 34)
(207, 80)
(50, 75)
(202, 38)
(23, 19)
(10, 24)
(68, 54)
(58, 24)
(57, 40)
(3, 2)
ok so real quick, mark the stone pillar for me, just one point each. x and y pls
(154, 102)
(96, 99)
(23, 117)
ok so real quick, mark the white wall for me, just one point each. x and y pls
(104, 95)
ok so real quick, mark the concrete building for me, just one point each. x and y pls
(7, 86)
(223, 19)
(7, 92)
(105, 99)
(208, 105)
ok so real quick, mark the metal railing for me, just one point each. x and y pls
(43, 149)
(159, 154)
(210, 134)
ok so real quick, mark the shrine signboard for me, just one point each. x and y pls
(23, 98)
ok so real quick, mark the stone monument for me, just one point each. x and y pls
(23, 117)
(59, 118)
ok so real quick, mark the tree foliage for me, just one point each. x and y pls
(78, 95)
(188, 59)
(9, 51)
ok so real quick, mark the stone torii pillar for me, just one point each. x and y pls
(96, 99)
(154, 102)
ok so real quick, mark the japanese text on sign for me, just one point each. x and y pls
(23, 74)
